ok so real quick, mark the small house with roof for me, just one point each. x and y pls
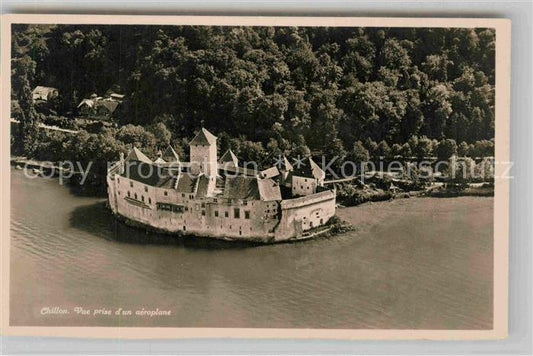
(100, 107)
(306, 178)
(44, 93)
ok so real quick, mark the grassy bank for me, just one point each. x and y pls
(355, 194)
(484, 190)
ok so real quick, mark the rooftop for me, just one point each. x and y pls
(137, 155)
(309, 169)
(229, 157)
(147, 173)
(242, 188)
(170, 155)
(203, 138)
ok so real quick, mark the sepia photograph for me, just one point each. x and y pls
(327, 175)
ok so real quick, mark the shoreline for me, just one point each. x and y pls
(358, 197)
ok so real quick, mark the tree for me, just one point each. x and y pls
(483, 148)
(411, 173)
(371, 146)
(413, 144)
(394, 55)
(384, 149)
(335, 152)
(359, 59)
(462, 149)
(161, 133)
(405, 151)
(437, 108)
(423, 149)
(22, 71)
(359, 153)
(137, 136)
(445, 149)
(460, 171)
(484, 170)
(252, 153)
(396, 150)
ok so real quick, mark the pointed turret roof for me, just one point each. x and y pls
(285, 164)
(229, 157)
(170, 155)
(310, 170)
(318, 173)
(160, 160)
(204, 138)
(137, 155)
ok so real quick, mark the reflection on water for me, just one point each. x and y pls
(419, 263)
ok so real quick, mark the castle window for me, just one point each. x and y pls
(183, 195)
(215, 200)
(135, 196)
(245, 202)
(191, 196)
(226, 214)
(166, 193)
(247, 214)
(203, 205)
(184, 228)
(142, 197)
(146, 189)
(216, 213)
(236, 213)
(203, 212)
(128, 193)
(119, 193)
(149, 200)
(131, 184)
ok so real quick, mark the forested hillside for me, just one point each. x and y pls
(275, 89)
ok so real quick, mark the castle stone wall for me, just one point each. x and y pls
(305, 213)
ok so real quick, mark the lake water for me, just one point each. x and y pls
(412, 263)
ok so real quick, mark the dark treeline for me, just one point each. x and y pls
(338, 91)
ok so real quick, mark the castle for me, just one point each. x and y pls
(218, 198)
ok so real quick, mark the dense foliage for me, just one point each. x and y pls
(346, 92)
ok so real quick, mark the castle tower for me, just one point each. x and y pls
(285, 168)
(229, 159)
(203, 149)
